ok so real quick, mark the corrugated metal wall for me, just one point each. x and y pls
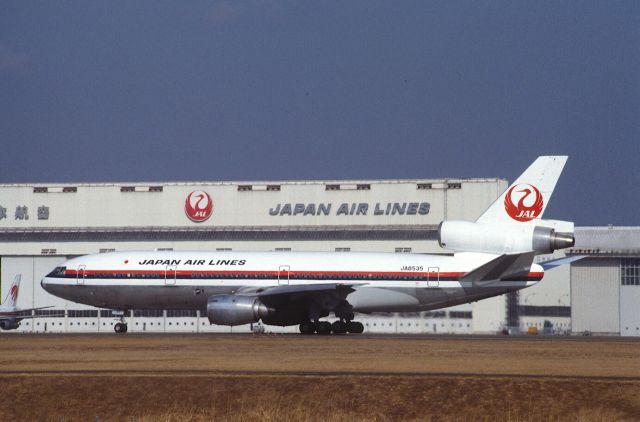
(630, 310)
(595, 296)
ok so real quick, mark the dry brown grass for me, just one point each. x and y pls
(241, 378)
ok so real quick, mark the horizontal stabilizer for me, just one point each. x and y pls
(506, 267)
(560, 261)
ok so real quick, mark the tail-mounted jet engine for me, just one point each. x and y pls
(235, 310)
(465, 236)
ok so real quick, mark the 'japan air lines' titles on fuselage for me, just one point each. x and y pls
(193, 262)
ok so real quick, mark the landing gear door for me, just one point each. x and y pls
(170, 275)
(283, 274)
(433, 279)
(80, 274)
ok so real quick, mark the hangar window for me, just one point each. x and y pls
(630, 271)
(243, 188)
(156, 188)
(181, 313)
(332, 187)
(403, 250)
(40, 189)
(127, 189)
(149, 313)
(343, 249)
(454, 185)
(363, 187)
(460, 314)
(273, 187)
(68, 189)
(424, 186)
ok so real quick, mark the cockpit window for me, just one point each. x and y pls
(57, 272)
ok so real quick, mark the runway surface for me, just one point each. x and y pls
(245, 377)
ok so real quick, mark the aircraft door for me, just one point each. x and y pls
(283, 274)
(434, 277)
(170, 275)
(80, 274)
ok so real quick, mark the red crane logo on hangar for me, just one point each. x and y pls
(198, 206)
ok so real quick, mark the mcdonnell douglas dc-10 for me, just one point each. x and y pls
(492, 256)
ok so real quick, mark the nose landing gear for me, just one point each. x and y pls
(121, 326)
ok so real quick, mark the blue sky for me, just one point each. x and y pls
(266, 90)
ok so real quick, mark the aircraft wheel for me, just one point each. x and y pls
(323, 327)
(119, 328)
(125, 328)
(307, 328)
(355, 327)
(339, 327)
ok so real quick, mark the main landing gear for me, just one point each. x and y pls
(325, 327)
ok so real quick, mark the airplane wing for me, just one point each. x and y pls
(18, 312)
(275, 295)
(21, 317)
(506, 267)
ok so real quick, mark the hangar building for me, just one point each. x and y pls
(605, 286)
(41, 225)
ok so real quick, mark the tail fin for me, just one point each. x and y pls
(12, 295)
(527, 198)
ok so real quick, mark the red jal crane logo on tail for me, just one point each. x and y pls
(529, 205)
(198, 206)
(13, 293)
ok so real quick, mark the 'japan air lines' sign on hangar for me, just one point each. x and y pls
(345, 208)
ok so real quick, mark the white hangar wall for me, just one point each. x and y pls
(41, 225)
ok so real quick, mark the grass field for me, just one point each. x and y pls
(334, 378)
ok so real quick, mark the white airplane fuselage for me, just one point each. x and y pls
(386, 282)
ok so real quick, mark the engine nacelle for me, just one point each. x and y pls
(466, 236)
(235, 310)
(9, 324)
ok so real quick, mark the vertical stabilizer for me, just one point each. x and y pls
(527, 198)
(12, 295)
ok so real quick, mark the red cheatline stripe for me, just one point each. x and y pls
(282, 273)
(274, 273)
